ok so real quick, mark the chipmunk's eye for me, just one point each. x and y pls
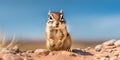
(50, 17)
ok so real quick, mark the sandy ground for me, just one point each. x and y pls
(109, 50)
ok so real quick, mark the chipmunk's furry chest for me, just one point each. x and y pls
(56, 34)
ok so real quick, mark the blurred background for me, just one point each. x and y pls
(89, 22)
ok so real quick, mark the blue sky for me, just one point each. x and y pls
(85, 18)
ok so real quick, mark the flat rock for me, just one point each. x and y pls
(117, 43)
(109, 43)
(109, 47)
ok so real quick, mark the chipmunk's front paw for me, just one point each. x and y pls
(59, 42)
(52, 43)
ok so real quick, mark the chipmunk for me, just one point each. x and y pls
(57, 37)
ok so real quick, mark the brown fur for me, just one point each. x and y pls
(56, 31)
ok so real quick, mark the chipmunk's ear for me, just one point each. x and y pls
(50, 17)
(61, 16)
(49, 12)
(61, 11)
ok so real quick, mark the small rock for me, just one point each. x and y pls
(30, 51)
(117, 43)
(114, 58)
(106, 55)
(103, 58)
(5, 50)
(41, 52)
(83, 50)
(109, 47)
(23, 54)
(109, 43)
(98, 48)
(98, 56)
(16, 49)
(88, 48)
(110, 50)
(116, 53)
(28, 58)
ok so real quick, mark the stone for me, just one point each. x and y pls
(117, 43)
(98, 48)
(16, 49)
(28, 58)
(5, 50)
(30, 51)
(109, 47)
(106, 55)
(116, 53)
(110, 50)
(109, 43)
(42, 52)
(88, 48)
(113, 58)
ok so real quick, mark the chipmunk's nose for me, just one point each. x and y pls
(56, 24)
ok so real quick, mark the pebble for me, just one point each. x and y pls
(98, 48)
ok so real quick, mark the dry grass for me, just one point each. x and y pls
(3, 43)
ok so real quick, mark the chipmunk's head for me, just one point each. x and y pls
(56, 18)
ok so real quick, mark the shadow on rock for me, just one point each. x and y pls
(81, 52)
(1, 59)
